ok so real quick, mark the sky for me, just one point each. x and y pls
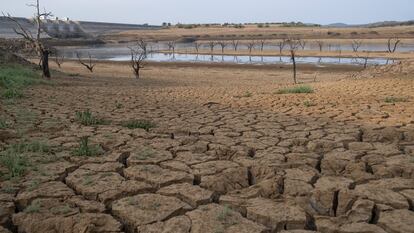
(220, 11)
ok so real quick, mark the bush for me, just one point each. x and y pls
(86, 118)
(3, 124)
(296, 90)
(139, 124)
(14, 162)
(85, 149)
(392, 99)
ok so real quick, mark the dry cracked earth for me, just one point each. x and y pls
(218, 160)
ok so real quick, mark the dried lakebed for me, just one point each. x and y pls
(211, 166)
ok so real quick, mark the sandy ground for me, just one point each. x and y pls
(273, 32)
(228, 154)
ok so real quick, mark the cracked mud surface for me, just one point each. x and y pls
(217, 161)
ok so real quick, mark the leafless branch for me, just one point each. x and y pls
(235, 44)
(223, 45)
(281, 44)
(320, 45)
(393, 44)
(356, 44)
(138, 57)
(89, 66)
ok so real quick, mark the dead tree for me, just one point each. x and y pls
(223, 45)
(250, 46)
(320, 45)
(356, 44)
(302, 44)
(235, 44)
(293, 47)
(262, 44)
(211, 44)
(143, 45)
(171, 46)
(89, 66)
(281, 44)
(138, 57)
(197, 46)
(393, 44)
(59, 59)
(35, 41)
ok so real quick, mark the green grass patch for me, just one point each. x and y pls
(13, 78)
(392, 99)
(12, 93)
(3, 124)
(139, 124)
(33, 146)
(87, 118)
(14, 162)
(86, 149)
(34, 207)
(296, 90)
(308, 103)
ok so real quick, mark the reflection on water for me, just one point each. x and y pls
(166, 57)
(123, 54)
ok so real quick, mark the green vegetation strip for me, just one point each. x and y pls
(296, 90)
(13, 78)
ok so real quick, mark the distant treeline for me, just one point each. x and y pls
(239, 25)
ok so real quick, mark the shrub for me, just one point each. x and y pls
(85, 149)
(86, 118)
(392, 99)
(139, 124)
(308, 103)
(296, 90)
(3, 124)
(14, 162)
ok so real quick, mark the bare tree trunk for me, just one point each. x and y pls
(292, 53)
(45, 64)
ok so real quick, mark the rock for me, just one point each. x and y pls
(327, 224)
(297, 188)
(148, 155)
(86, 206)
(360, 228)
(212, 167)
(334, 163)
(382, 196)
(326, 194)
(384, 135)
(409, 194)
(191, 194)
(4, 230)
(214, 218)
(191, 158)
(397, 221)
(157, 176)
(276, 215)
(226, 181)
(270, 188)
(7, 209)
(145, 209)
(361, 211)
(104, 186)
(180, 224)
(54, 189)
(360, 146)
(71, 224)
(301, 159)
